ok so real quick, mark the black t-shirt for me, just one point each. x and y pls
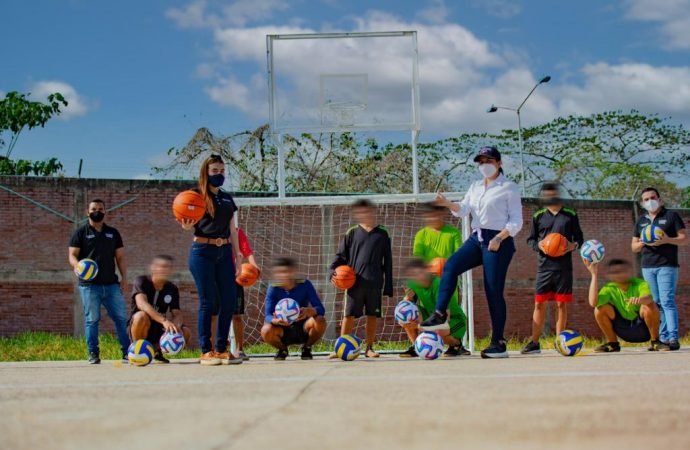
(217, 226)
(664, 255)
(370, 256)
(99, 246)
(162, 301)
(564, 222)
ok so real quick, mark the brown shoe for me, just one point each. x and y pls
(370, 353)
(227, 358)
(210, 359)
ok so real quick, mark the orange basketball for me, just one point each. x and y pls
(189, 205)
(344, 277)
(554, 245)
(436, 266)
(248, 275)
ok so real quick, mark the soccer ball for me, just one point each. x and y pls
(140, 353)
(651, 233)
(287, 310)
(593, 251)
(87, 269)
(428, 345)
(569, 343)
(172, 343)
(348, 347)
(406, 312)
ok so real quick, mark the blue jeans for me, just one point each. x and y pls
(663, 282)
(474, 253)
(213, 270)
(110, 296)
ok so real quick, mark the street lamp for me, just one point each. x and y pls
(517, 110)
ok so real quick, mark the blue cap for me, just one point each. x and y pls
(488, 152)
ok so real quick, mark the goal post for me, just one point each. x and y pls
(310, 229)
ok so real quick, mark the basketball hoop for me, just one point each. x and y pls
(341, 114)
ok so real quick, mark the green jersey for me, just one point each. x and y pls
(426, 302)
(430, 243)
(615, 296)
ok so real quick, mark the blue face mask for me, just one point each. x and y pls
(216, 180)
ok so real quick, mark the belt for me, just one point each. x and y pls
(218, 242)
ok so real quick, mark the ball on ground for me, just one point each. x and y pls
(172, 343)
(569, 343)
(348, 347)
(428, 345)
(140, 353)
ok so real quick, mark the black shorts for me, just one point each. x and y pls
(239, 306)
(363, 300)
(295, 334)
(554, 285)
(634, 331)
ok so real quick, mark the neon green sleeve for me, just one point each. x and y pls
(644, 289)
(604, 297)
(418, 247)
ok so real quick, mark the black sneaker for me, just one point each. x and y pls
(306, 353)
(409, 353)
(495, 350)
(455, 351)
(658, 346)
(609, 347)
(673, 345)
(281, 355)
(435, 322)
(531, 348)
(158, 357)
(94, 358)
(125, 357)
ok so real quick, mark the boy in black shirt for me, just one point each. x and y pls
(153, 297)
(366, 248)
(555, 274)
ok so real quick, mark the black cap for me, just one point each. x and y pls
(489, 152)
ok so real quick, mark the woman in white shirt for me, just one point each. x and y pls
(496, 209)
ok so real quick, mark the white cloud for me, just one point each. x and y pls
(436, 12)
(77, 105)
(205, 14)
(504, 9)
(673, 17)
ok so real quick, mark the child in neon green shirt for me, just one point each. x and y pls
(437, 239)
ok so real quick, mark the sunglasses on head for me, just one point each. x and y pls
(216, 158)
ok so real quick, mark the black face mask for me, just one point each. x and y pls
(552, 201)
(97, 216)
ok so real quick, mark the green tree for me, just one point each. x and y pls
(17, 113)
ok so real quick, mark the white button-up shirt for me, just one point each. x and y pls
(493, 207)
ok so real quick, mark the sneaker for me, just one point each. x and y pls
(94, 358)
(244, 356)
(673, 345)
(370, 353)
(435, 322)
(658, 346)
(281, 355)
(609, 347)
(409, 353)
(455, 351)
(306, 353)
(531, 348)
(158, 357)
(125, 357)
(210, 359)
(495, 350)
(227, 358)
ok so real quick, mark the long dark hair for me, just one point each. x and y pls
(203, 182)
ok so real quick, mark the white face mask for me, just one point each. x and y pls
(487, 170)
(651, 205)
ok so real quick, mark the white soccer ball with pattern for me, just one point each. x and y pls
(172, 343)
(287, 310)
(428, 345)
(593, 251)
(406, 312)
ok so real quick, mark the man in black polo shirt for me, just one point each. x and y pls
(660, 261)
(103, 244)
(366, 248)
(153, 297)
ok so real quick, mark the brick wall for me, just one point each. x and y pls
(37, 289)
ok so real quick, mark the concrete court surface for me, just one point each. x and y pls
(630, 400)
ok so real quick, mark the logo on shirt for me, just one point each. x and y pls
(109, 235)
(662, 222)
(90, 236)
(167, 298)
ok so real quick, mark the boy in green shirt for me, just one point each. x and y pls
(436, 239)
(422, 289)
(623, 307)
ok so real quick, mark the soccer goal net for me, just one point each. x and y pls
(309, 229)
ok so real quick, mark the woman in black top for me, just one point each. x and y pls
(211, 262)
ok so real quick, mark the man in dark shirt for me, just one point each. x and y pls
(366, 248)
(660, 261)
(555, 274)
(103, 244)
(153, 297)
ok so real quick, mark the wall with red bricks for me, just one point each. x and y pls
(37, 289)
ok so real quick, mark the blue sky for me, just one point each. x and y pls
(143, 76)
